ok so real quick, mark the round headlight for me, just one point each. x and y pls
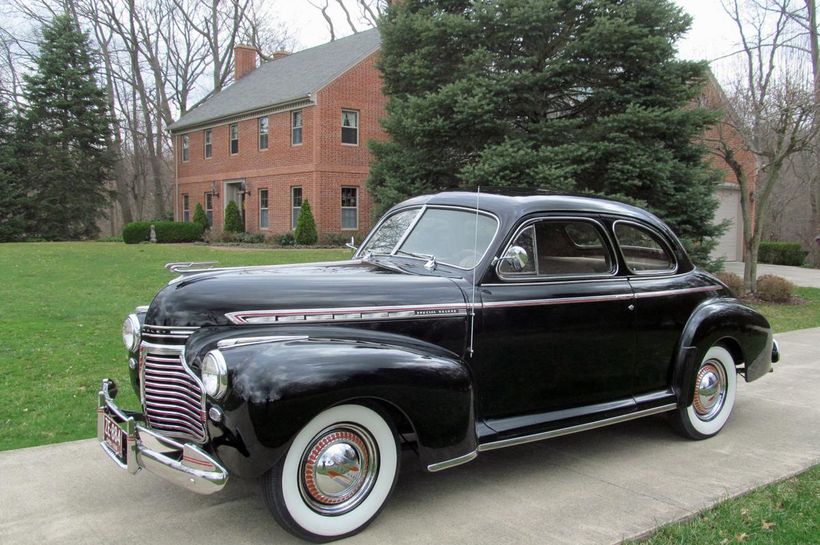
(131, 332)
(215, 374)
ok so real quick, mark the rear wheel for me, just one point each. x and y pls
(714, 396)
(336, 476)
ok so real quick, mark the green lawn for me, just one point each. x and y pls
(784, 513)
(61, 309)
(791, 317)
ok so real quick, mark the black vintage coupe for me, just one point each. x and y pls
(463, 323)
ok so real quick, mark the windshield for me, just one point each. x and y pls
(455, 237)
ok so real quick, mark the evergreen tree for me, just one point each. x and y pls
(67, 160)
(305, 232)
(14, 205)
(570, 96)
(200, 217)
(233, 219)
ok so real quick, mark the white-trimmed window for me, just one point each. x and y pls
(296, 128)
(209, 208)
(350, 208)
(234, 131)
(350, 127)
(295, 205)
(209, 148)
(186, 141)
(264, 210)
(186, 208)
(263, 132)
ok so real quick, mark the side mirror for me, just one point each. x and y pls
(352, 244)
(517, 258)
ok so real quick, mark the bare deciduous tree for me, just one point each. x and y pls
(773, 111)
(158, 59)
(357, 14)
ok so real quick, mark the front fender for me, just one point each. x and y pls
(276, 387)
(746, 332)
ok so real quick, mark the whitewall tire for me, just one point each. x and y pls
(715, 389)
(336, 476)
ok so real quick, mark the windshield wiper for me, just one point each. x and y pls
(431, 259)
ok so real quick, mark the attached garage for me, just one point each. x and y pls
(730, 246)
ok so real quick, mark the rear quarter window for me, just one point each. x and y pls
(643, 250)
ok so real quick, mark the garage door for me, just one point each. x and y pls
(730, 245)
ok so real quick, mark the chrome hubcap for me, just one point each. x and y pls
(338, 469)
(710, 390)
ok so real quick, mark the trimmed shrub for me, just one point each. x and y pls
(136, 232)
(774, 289)
(782, 253)
(733, 281)
(178, 231)
(340, 239)
(250, 238)
(200, 217)
(286, 239)
(233, 219)
(167, 231)
(305, 232)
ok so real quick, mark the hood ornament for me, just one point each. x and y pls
(190, 267)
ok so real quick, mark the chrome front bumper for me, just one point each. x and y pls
(185, 464)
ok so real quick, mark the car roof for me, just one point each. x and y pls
(518, 206)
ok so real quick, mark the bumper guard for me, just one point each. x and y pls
(184, 464)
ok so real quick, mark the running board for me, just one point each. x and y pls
(513, 441)
(575, 429)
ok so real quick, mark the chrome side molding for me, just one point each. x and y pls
(246, 341)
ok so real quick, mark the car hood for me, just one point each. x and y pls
(207, 298)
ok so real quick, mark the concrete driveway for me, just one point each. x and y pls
(799, 276)
(597, 487)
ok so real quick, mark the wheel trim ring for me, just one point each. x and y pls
(710, 390)
(317, 496)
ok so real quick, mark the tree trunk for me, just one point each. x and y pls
(814, 44)
(750, 266)
(115, 143)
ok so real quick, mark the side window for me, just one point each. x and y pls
(560, 247)
(296, 128)
(642, 250)
(350, 127)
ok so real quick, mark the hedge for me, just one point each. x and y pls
(781, 253)
(166, 231)
(136, 232)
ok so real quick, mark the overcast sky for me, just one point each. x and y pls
(712, 34)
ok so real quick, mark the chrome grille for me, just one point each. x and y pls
(172, 395)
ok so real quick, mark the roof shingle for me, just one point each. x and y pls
(289, 78)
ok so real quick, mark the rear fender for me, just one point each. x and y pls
(745, 331)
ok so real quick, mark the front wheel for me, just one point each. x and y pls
(714, 396)
(336, 476)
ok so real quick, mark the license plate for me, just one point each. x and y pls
(115, 438)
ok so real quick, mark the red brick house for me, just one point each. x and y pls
(294, 128)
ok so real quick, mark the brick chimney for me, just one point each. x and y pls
(244, 60)
(279, 54)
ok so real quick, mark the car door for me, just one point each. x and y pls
(667, 290)
(556, 334)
